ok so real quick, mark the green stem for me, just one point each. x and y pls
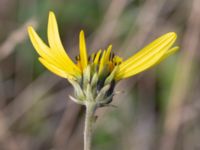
(89, 119)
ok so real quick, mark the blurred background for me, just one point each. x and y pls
(159, 109)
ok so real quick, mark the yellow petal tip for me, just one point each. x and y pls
(171, 34)
(51, 13)
(31, 31)
(82, 33)
(110, 46)
(29, 28)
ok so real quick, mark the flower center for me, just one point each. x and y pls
(98, 78)
(102, 60)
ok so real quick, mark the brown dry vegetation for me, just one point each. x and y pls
(158, 109)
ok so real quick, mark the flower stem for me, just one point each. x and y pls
(89, 119)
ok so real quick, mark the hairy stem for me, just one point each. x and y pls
(89, 119)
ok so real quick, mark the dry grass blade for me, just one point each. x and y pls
(16, 37)
(182, 78)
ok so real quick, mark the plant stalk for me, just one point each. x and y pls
(89, 120)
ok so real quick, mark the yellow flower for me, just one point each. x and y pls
(99, 69)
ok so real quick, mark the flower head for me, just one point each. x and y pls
(94, 76)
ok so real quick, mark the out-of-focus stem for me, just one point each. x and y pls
(183, 78)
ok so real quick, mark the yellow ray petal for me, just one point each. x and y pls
(146, 57)
(107, 55)
(56, 45)
(42, 49)
(168, 53)
(150, 48)
(102, 62)
(45, 52)
(55, 70)
(83, 50)
(96, 60)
